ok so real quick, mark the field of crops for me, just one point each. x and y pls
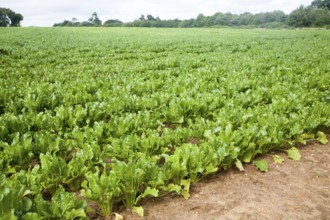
(116, 115)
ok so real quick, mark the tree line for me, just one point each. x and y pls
(317, 14)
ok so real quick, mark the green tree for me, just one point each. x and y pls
(75, 21)
(319, 17)
(151, 18)
(94, 20)
(245, 19)
(4, 20)
(9, 18)
(226, 19)
(299, 17)
(202, 21)
(113, 23)
(309, 17)
(321, 4)
(187, 23)
(142, 18)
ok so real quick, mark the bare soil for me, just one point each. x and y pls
(292, 190)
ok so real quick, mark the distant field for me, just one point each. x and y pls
(113, 115)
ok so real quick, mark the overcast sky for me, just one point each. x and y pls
(48, 12)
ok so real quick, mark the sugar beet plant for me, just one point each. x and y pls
(112, 116)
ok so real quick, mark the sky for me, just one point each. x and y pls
(48, 12)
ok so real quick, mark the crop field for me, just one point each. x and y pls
(114, 115)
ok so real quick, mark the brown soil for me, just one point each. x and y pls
(292, 190)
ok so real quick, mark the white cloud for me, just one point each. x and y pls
(46, 13)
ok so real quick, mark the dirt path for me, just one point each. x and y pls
(292, 190)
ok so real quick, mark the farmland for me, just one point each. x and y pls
(113, 116)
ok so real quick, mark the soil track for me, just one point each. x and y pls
(292, 190)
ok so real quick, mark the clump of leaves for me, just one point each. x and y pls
(102, 188)
(134, 176)
(13, 200)
(63, 205)
(321, 137)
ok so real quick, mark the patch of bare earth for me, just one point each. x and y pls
(292, 190)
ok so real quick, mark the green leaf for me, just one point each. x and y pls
(210, 169)
(301, 140)
(239, 165)
(277, 159)
(208, 134)
(9, 215)
(185, 194)
(27, 204)
(307, 136)
(249, 153)
(10, 170)
(261, 165)
(181, 120)
(148, 192)
(75, 214)
(31, 216)
(171, 188)
(27, 192)
(3, 180)
(322, 137)
(139, 210)
(294, 154)
(186, 186)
